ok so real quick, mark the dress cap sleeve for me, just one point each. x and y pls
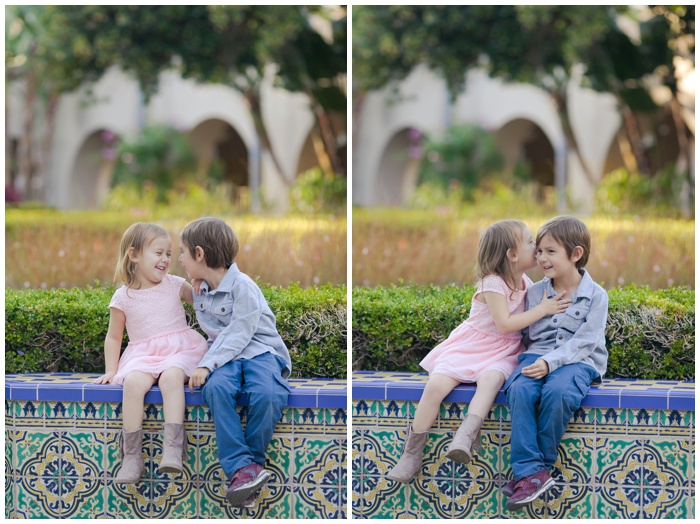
(495, 284)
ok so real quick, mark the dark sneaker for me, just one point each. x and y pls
(528, 489)
(245, 483)
(508, 489)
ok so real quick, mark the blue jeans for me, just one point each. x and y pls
(261, 379)
(538, 430)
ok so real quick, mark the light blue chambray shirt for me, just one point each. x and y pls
(238, 322)
(578, 334)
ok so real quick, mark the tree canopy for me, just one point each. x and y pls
(233, 45)
(541, 45)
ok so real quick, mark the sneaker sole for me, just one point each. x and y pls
(522, 503)
(507, 492)
(238, 497)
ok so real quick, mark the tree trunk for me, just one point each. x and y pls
(561, 103)
(51, 105)
(25, 163)
(328, 138)
(252, 97)
(687, 186)
(635, 139)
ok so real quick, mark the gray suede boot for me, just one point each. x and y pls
(411, 457)
(174, 448)
(132, 459)
(467, 440)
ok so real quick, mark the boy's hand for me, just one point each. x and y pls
(198, 378)
(554, 305)
(105, 379)
(539, 369)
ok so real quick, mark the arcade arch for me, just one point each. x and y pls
(522, 141)
(92, 170)
(215, 140)
(398, 170)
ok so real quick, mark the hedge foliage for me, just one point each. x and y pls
(650, 334)
(64, 329)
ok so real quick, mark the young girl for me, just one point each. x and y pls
(483, 349)
(162, 348)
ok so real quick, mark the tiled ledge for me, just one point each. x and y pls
(62, 454)
(612, 393)
(628, 452)
(78, 387)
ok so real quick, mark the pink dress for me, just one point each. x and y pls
(159, 337)
(476, 345)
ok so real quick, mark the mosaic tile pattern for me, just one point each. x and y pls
(61, 457)
(614, 462)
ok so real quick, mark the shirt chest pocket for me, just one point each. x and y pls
(572, 319)
(221, 309)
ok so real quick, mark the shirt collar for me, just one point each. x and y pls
(226, 285)
(585, 288)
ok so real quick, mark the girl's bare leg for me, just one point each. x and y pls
(437, 388)
(172, 387)
(136, 385)
(487, 387)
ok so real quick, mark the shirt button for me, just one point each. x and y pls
(201, 305)
(217, 365)
(555, 320)
(223, 309)
(560, 337)
(578, 313)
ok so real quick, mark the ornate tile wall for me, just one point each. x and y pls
(614, 462)
(61, 456)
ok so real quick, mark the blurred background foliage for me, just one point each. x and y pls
(549, 46)
(55, 49)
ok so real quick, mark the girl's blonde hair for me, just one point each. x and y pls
(137, 237)
(492, 258)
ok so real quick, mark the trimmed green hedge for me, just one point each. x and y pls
(650, 334)
(64, 329)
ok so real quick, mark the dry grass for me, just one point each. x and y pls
(430, 248)
(45, 250)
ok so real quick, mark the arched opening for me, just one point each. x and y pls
(92, 170)
(222, 155)
(397, 174)
(524, 145)
(660, 144)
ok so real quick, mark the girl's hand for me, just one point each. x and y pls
(198, 378)
(554, 305)
(105, 379)
(539, 369)
(196, 282)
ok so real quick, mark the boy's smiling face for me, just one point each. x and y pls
(552, 258)
(192, 266)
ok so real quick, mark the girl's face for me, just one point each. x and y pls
(153, 262)
(525, 252)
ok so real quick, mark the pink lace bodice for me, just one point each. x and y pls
(152, 312)
(480, 318)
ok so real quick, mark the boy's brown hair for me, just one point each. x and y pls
(570, 232)
(216, 239)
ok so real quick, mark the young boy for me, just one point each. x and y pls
(246, 355)
(565, 354)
